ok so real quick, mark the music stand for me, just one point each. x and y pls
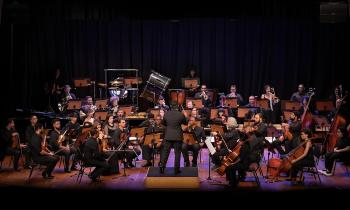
(74, 104)
(101, 104)
(197, 102)
(189, 138)
(286, 115)
(231, 102)
(126, 109)
(101, 115)
(263, 103)
(325, 106)
(214, 113)
(190, 83)
(290, 105)
(85, 82)
(129, 81)
(155, 112)
(137, 132)
(242, 112)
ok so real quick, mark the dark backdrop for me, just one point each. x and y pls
(251, 44)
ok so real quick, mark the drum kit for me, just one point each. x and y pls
(117, 88)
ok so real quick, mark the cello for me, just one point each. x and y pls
(338, 121)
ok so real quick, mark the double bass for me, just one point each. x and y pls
(231, 158)
(338, 121)
(307, 118)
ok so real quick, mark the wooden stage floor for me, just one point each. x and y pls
(135, 179)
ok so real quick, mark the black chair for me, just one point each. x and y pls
(311, 170)
(83, 165)
(345, 163)
(253, 168)
(33, 165)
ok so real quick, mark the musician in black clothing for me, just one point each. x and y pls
(200, 137)
(161, 104)
(297, 96)
(206, 100)
(173, 136)
(260, 131)
(73, 127)
(30, 130)
(247, 156)
(290, 139)
(341, 151)
(94, 157)
(119, 136)
(154, 127)
(41, 154)
(230, 137)
(8, 136)
(59, 145)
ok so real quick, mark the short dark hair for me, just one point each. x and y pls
(55, 120)
(307, 132)
(38, 126)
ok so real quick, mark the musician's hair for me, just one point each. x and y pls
(344, 131)
(55, 120)
(93, 132)
(38, 126)
(9, 120)
(307, 132)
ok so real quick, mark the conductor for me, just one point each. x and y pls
(173, 136)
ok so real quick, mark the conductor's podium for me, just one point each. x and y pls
(187, 179)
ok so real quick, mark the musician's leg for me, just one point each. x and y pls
(195, 150)
(165, 151)
(177, 149)
(184, 149)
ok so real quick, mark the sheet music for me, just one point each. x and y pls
(210, 146)
(270, 139)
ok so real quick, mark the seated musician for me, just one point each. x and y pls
(11, 145)
(119, 136)
(110, 155)
(90, 117)
(114, 105)
(59, 145)
(203, 94)
(161, 104)
(253, 106)
(307, 158)
(94, 157)
(41, 154)
(341, 151)
(297, 96)
(233, 94)
(290, 137)
(220, 117)
(260, 131)
(73, 130)
(247, 155)
(230, 137)
(110, 126)
(200, 137)
(147, 150)
(120, 115)
(65, 97)
(222, 105)
(87, 105)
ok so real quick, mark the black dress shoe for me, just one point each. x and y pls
(161, 170)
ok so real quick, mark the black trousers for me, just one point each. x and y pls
(332, 156)
(48, 161)
(217, 156)
(67, 155)
(166, 151)
(146, 152)
(113, 163)
(231, 173)
(101, 167)
(299, 166)
(195, 150)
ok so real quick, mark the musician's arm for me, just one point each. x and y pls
(307, 148)
(346, 149)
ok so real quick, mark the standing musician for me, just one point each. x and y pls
(154, 127)
(173, 137)
(41, 154)
(233, 94)
(290, 137)
(60, 146)
(200, 137)
(341, 151)
(270, 95)
(230, 137)
(307, 158)
(247, 155)
(297, 96)
(94, 157)
(119, 136)
(11, 145)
